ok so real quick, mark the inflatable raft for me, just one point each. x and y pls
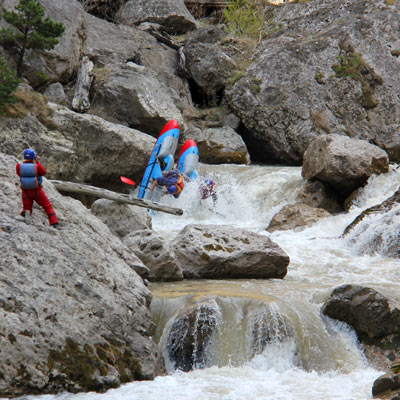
(161, 159)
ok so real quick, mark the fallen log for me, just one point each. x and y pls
(63, 186)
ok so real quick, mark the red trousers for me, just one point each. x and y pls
(38, 195)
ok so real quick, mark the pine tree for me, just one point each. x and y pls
(8, 84)
(31, 30)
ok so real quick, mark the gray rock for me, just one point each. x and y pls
(61, 63)
(209, 67)
(121, 218)
(297, 86)
(135, 98)
(319, 195)
(74, 314)
(297, 217)
(97, 143)
(156, 254)
(344, 163)
(55, 93)
(370, 313)
(219, 145)
(224, 252)
(172, 15)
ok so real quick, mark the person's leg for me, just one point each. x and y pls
(27, 202)
(44, 202)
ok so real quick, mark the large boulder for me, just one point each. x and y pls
(76, 147)
(370, 313)
(321, 70)
(61, 63)
(296, 216)
(97, 142)
(225, 252)
(219, 145)
(344, 163)
(172, 15)
(374, 317)
(121, 218)
(209, 67)
(110, 47)
(133, 96)
(156, 254)
(191, 337)
(74, 314)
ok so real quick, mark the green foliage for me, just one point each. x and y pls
(244, 18)
(352, 65)
(8, 85)
(31, 30)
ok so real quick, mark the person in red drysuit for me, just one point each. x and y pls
(31, 172)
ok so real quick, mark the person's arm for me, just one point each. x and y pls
(153, 185)
(40, 168)
(18, 169)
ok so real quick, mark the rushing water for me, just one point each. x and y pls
(320, 359)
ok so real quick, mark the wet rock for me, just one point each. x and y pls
(225, 252)
(370, 313)
(319, 195)
(156, 254)
(344, 163)
(374, 317)
(296, 216)
(375, 229)
(387, 387)
(190, 339)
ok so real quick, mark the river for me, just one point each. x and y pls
(321, 359)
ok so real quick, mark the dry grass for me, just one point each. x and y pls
(320, 121)
(31, 102)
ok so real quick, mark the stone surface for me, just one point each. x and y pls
(225, 252)
(299, 84)
(172, 15)
(156, 254)
(344, 163)
(74, 314)
(297, 217)
(122, 219)
(219, 145)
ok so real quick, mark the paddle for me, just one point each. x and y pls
(128, 181)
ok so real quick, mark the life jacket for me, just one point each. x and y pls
(180, 183)
(29, 176)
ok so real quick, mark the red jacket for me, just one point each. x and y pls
(40, 168)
